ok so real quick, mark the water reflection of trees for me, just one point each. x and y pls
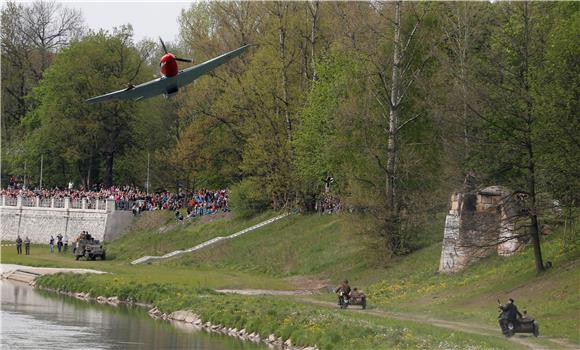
(105, 326)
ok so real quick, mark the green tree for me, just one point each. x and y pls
(396, 44)
(78, 138)
(249, 108)
(31, 36)
(557, 102)
(319, 136)
(514, 117)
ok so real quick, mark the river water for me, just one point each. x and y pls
(33, 319)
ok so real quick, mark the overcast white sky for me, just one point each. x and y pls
(149, 18)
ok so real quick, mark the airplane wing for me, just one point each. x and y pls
(188, 75)
(149, 89)
(163, 85)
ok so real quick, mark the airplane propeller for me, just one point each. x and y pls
(176, 58)
(163, 44)
(184, 59)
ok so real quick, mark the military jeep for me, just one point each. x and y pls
(89, 248)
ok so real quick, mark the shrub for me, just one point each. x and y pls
(249, 197)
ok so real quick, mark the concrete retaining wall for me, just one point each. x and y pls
(29, 218)
(118, 222)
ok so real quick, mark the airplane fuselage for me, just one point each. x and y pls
(168, 65)
(168, 68)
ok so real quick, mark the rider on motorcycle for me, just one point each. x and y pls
(509, 313)
(343, 290)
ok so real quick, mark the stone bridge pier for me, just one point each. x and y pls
(479, 224)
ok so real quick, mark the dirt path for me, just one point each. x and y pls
(265, 292)
(523, 340)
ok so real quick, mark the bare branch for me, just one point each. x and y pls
(408, 121)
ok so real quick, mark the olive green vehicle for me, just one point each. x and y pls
(89, 248)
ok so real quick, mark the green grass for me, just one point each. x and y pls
(157, 233)
(553, 297)
(325, 247)
(121, 271)
(312, 245)
(304, 324)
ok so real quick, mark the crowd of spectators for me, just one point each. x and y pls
(116, 193)
(196, 203)
(328, 204)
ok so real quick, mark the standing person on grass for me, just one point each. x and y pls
(27, 245)
(19, 245)
(59, 242)
(51, 244)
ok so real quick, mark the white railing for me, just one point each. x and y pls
(10, 201)
(92, 203)
(66, 203)
(29, 202)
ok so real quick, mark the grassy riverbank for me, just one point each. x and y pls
(304, 251)
(304, 324)
(121, 272)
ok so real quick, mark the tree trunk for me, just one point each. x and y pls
(392, 219)
(281, 13)
(89, 174)
(109, 174)
(394, 114)
(534, 229)
(314, 10)
(285, 80)
(535, 233)
(465, 121)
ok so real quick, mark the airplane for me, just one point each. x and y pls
(171, 79)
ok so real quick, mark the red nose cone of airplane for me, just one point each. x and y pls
(168, 65)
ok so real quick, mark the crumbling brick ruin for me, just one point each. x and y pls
(479, 223)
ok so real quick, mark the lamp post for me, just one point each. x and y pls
(24, 174)
(41, 163)
(147, 184)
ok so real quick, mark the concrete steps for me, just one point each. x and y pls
(208, 243)
(21, 276)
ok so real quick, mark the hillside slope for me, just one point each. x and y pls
(326, 249)
(157, 233)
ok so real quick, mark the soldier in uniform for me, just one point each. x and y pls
(19, 245)
(509, 313)
(343, 290)
(27, 245)
(59, 242)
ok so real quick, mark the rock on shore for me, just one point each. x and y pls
(197, 322)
